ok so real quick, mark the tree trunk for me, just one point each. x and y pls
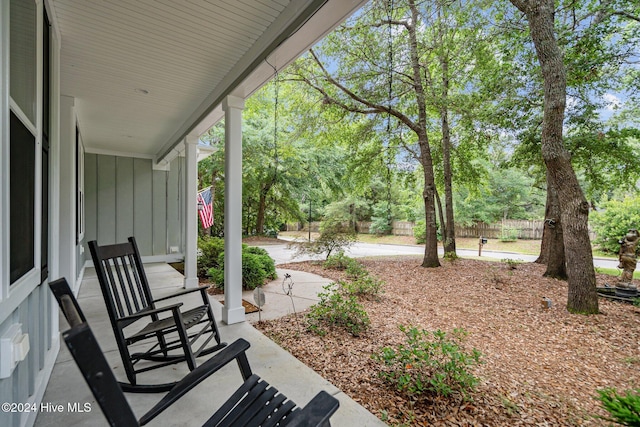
(262, 207)
(443, 226)
(582, 297)
(449, 232)
(431, 244)
(556, 265)
(543, 258)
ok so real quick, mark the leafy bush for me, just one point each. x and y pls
(509, 234)
(364, 285)
(333, 236)
(420, 232)
(355, 270)
(511, 264)
(257, 267)
(209, 250)
(380, 221)
(624, 409)
(268, 265)
(339, 261)
(614, 220)
(253, 272)
(335, 309)
(430, 362)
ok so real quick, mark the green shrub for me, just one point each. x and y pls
(380, 220)
(335, 309)
(624, 409)
(430, 362)
(257, 267)
(338, 261)
(355, 270)
(253, 273)
(509, 234)
(364, 285)
(614, 220)
(216, 275)
(420, 232)
(209, 250)
(511, 264)
(334, 236)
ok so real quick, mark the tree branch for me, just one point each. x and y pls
(373, 108)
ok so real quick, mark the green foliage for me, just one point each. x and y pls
(419, 232)
(336, 308)
(333, 236)
(451, 256)
(267, 263)
(512, 264)
(209, 250)
(253, 273)
(257, 267)
(338, 261)
(355, 270)
(507, 193)
(612, 222)
(364, 286)
(430, 362)
(508, 234)
(361, 284)
(623, 409)
(381, 219)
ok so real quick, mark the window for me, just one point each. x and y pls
(23, 56)
(22, 198)
(23, 63)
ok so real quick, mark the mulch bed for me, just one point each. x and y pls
(541, 366)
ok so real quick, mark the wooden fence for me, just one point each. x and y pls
(524, 229)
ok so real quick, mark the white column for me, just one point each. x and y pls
(67, 194)
(191, 212)
(233, 311)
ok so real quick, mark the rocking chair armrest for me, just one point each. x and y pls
(133, 317)
(316, 413)
(180, 293)
(235, 350)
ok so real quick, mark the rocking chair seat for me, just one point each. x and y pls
(189, 318)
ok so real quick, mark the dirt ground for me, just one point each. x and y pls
(540, 366)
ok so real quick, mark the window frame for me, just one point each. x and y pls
(12, 294)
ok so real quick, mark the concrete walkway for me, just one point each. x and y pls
(267, 359)
(280, 299)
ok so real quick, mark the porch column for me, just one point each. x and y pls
(233, 311)
(191, 212)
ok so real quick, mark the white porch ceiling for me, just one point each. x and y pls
(145, 73)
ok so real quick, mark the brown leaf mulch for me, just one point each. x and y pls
(541, 366)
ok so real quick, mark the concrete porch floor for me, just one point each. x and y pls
(267, 359)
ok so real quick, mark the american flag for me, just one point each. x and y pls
(205, 208)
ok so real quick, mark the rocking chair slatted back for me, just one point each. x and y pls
(127, 292)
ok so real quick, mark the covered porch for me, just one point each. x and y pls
(266, 358)
(106, 101)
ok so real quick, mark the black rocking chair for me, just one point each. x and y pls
(129, 301)
(255, 403)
